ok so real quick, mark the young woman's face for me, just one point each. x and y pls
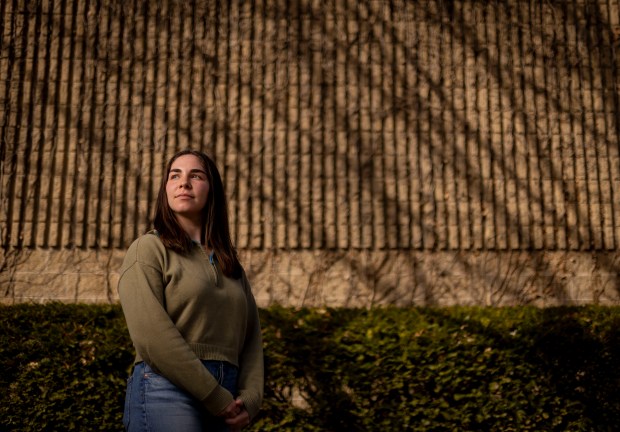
(187, 187)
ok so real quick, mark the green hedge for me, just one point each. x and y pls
(447, 369)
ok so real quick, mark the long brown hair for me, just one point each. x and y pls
(215, 232)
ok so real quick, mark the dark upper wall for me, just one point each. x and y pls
(349, 125)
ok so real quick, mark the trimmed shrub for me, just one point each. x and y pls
(64, 367)
(460, 369)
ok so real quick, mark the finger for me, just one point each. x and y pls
(240, 421)
(232, 410)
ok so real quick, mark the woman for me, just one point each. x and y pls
(190, 312)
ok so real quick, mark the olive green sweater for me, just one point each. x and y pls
(181, 309)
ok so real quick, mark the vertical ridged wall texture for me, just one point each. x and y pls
(338, 125)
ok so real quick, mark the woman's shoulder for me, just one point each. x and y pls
(148, 240)
(243, 278)
(147, 248)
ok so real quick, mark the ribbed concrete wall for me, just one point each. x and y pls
(424, 152)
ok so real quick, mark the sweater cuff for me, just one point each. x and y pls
(217, 400)
(251, 404)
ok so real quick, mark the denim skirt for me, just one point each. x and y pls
(154, 404)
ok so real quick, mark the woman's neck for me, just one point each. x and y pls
(191, 227)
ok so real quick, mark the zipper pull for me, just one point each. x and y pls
(214, 268)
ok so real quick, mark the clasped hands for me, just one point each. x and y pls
(235, 415)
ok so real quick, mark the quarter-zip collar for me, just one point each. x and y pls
(211, 258)
(213, 266)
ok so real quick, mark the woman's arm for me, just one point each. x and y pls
(251, 368)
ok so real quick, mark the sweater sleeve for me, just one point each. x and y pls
(251, 368)
(154, 335)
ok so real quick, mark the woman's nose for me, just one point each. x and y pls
(184, 183)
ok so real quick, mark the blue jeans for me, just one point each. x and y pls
(154, 404)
